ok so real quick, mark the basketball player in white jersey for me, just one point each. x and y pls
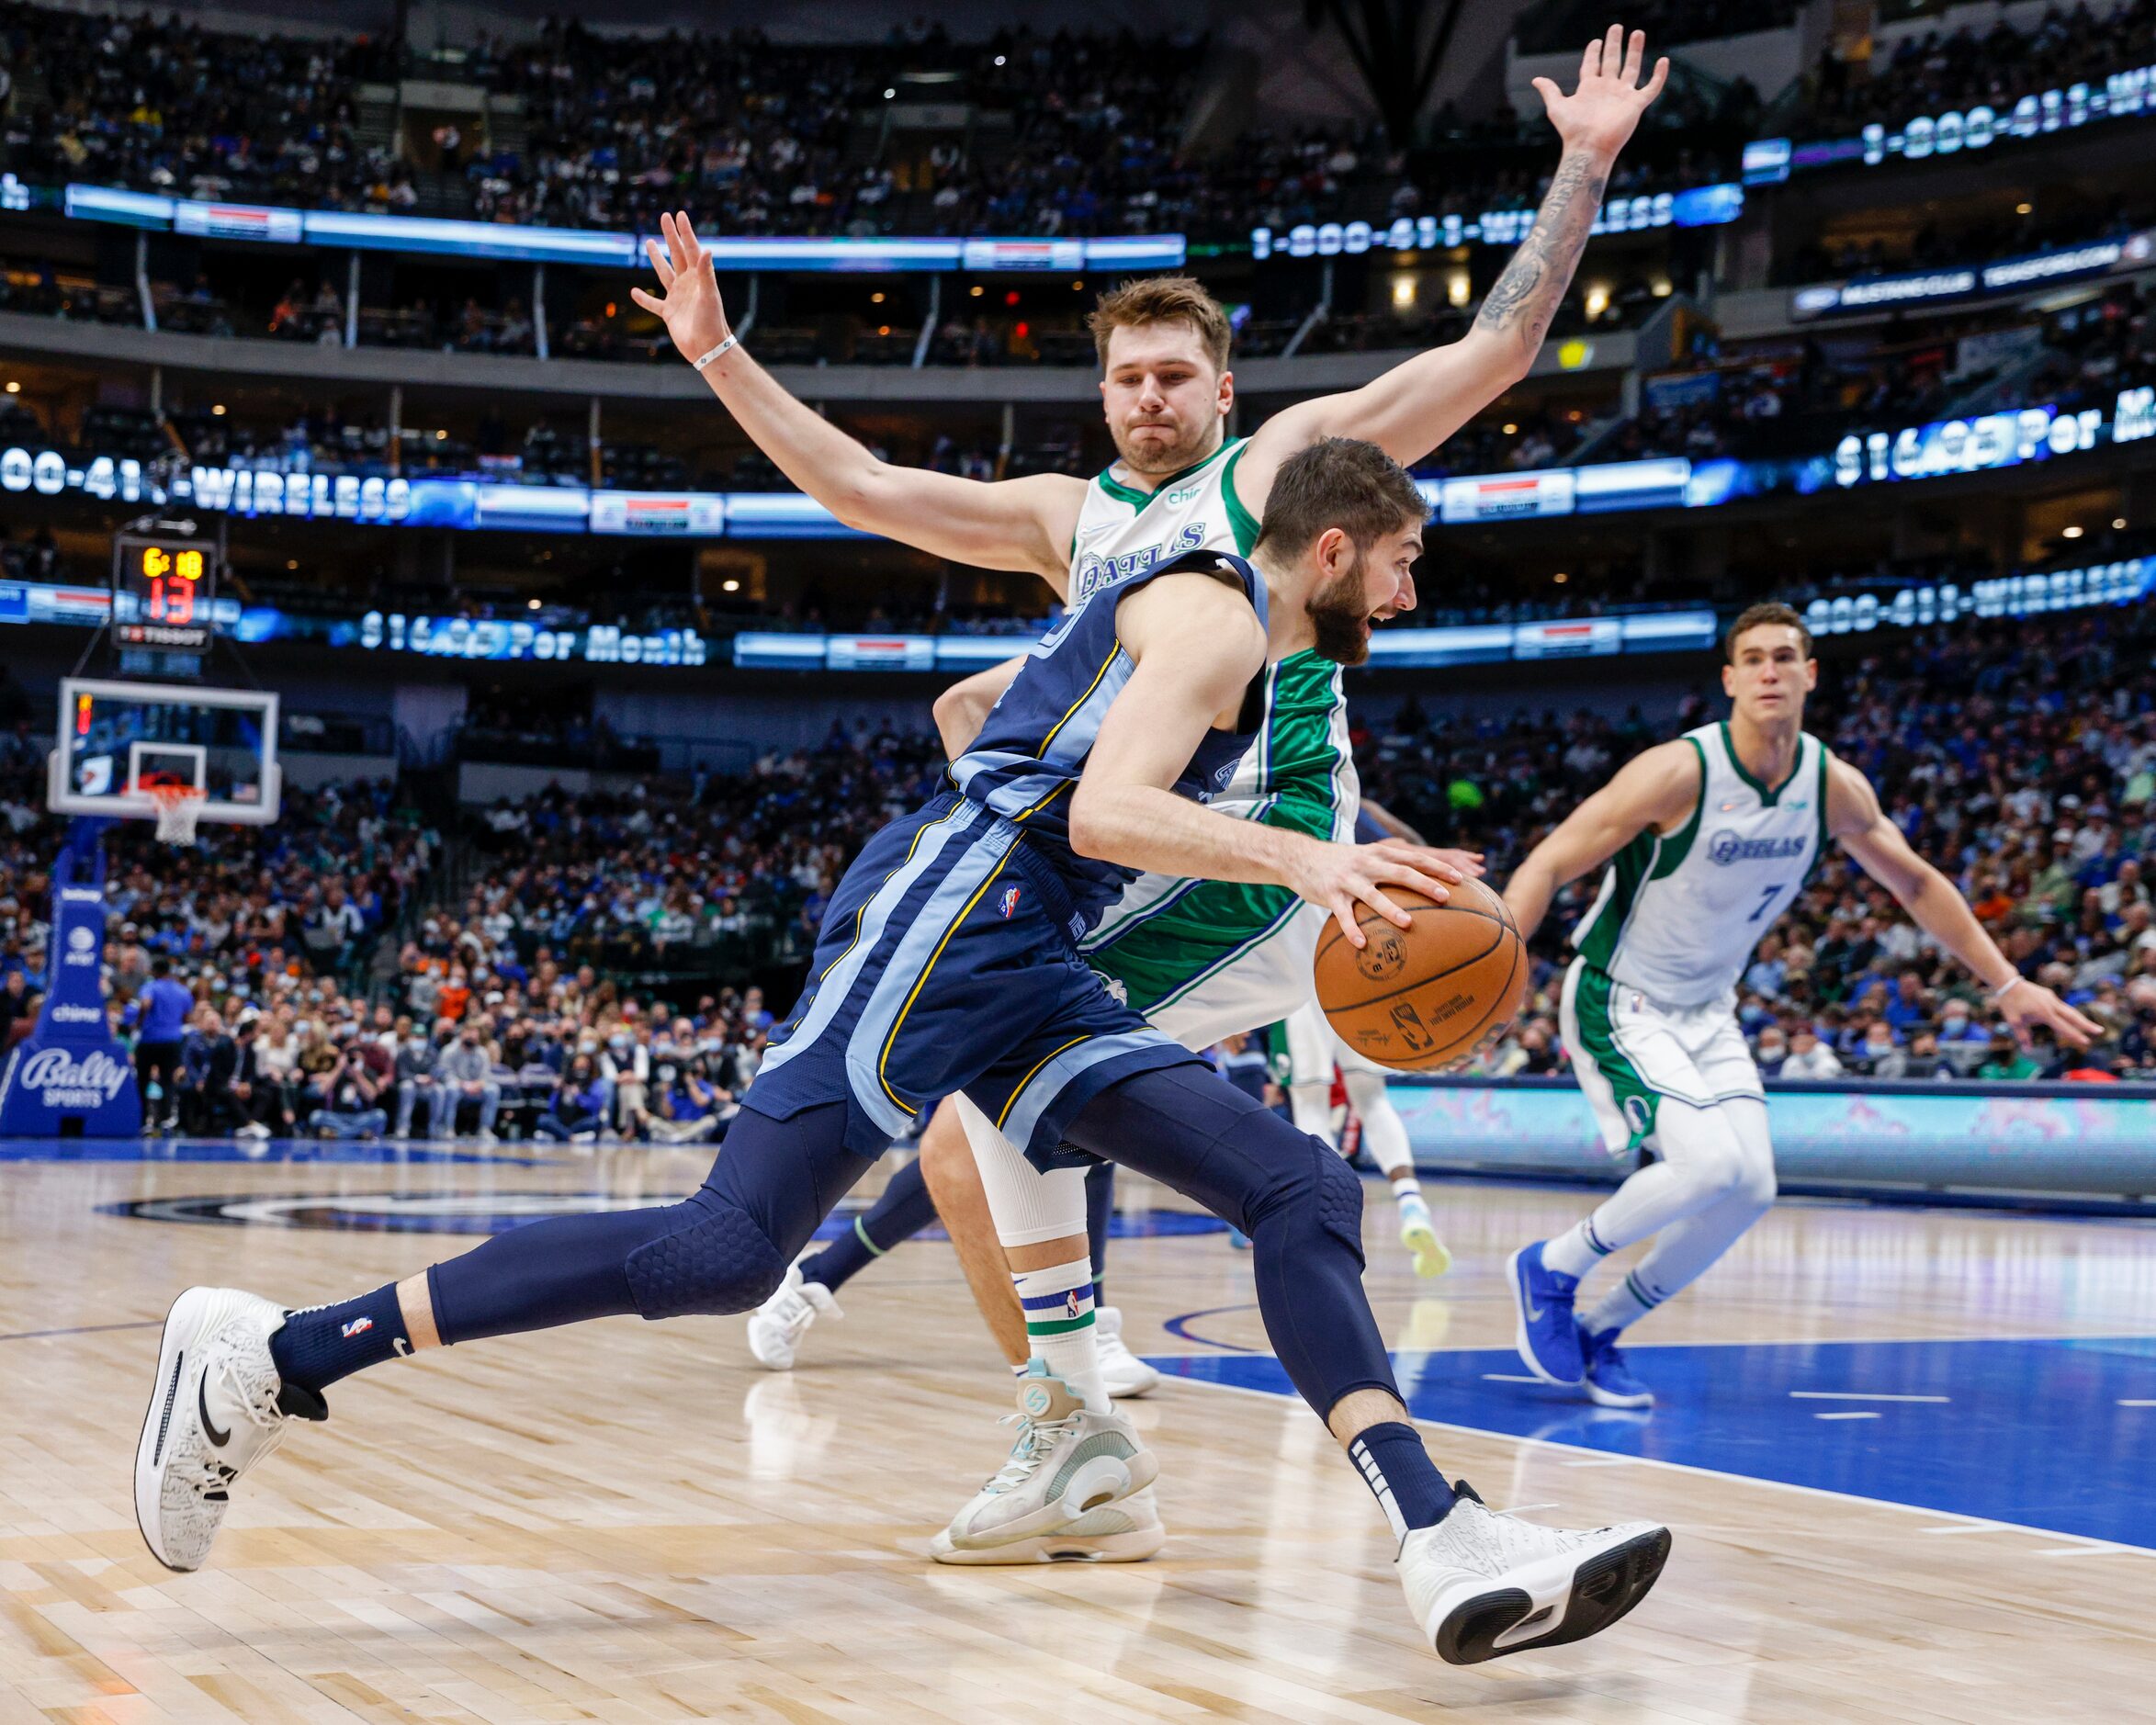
(1709, 839)
(1180, 483)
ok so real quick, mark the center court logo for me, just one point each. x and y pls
(1727, 847)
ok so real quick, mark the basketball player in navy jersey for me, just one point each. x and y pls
(949, 962)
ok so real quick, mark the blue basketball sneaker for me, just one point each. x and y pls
(1610, 1382)
(1548, 1335)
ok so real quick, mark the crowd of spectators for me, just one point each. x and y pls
(1799, 396)
(318, 976)
(2019, 757)
(331, 976)
(1947, 71)
(1062, 132)
(171, 107)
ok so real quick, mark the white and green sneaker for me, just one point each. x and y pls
(1067, 1461)
(1127, 1531)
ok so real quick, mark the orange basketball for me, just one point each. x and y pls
(1422, 999)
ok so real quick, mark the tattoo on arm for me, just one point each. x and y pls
(1525, 296)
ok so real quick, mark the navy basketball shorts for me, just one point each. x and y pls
(948, 962)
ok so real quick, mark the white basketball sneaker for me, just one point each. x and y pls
(776, 1328)
(217, 1408)
(1122, 1371)
(1418, 1233)
(1483, 1584)
(1067, 1461)
(1128, 1531)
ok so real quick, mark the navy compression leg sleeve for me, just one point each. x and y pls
(724, 1248)
(1295, 1198)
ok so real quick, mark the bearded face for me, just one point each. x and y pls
(1340, 611)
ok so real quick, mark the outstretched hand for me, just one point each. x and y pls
(2026, 1005)
(690, 307)
(1600, 114)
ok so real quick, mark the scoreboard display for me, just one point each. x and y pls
(162, 589)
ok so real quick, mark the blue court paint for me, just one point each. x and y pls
(2031, 1432)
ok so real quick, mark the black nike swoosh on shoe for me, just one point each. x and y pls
(209, 1429)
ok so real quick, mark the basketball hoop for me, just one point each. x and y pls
(178, 808)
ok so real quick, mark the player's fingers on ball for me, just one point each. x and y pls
(1343, 907)
(1414, 879)
(1376, 898)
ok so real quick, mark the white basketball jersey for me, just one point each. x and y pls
(1304, 753)
(1679, 913)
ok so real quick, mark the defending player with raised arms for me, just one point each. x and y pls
(1709, 839)
(1202, 959)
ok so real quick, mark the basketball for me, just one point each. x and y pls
(1423, 998)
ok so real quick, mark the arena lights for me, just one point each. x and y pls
(2013, 275)
(428, 234)
(2126, 581)
(1701, 207)
(1934, 450)
(2121, 95)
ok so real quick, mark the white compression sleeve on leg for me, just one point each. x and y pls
(1688, 1247)
(1030, 1207)
(1385, 1134)
(1312, 1105)
(1698, 1163)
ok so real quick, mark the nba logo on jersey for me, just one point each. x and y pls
(1008, 902)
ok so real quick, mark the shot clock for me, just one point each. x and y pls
(161, 589)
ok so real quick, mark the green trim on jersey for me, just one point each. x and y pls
(1768, 798)
(1137, 500)
(1636, 1098)
(1240, 519)
(1649, 856)
(1162, 954)
(1824, 837)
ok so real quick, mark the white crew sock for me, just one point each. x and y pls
(1576, 1251)
(1624, 1304)
(1058, 1303)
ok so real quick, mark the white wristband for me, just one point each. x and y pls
(2007, 987)
(731, 341)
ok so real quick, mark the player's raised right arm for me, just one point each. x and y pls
(1654, 789)
(1024, 524)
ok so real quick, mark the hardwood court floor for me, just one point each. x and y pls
(628, 1522)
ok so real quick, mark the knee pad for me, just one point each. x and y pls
(1338, 1197)
(717, 1262)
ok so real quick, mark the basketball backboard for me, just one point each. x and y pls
(117, 739)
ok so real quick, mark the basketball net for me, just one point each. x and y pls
(178, 808)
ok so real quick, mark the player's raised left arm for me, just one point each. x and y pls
(1413, 408)
(1855, 818)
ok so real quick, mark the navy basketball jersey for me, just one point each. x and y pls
(1031, 751)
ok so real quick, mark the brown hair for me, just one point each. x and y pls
(1769, 612)
(1338, 482)
(1161, 299)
